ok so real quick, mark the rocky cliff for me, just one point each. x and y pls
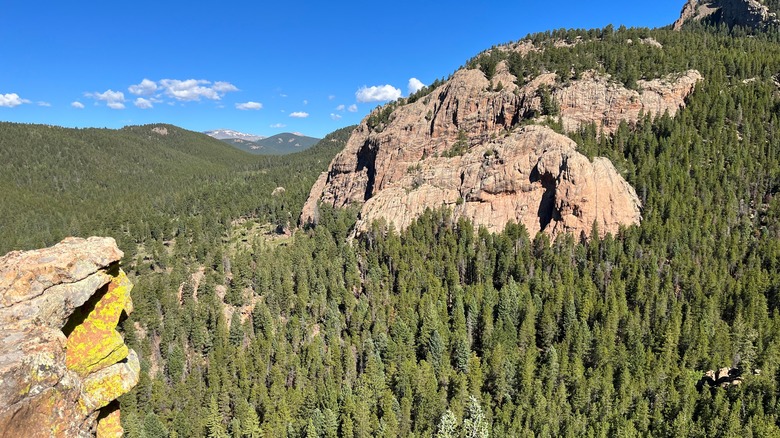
(62, 362)
(463, 146)
(747, 13)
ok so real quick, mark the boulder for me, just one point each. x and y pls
(62, 362)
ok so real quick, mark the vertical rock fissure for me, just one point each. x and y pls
(546, 212)
(367, 161)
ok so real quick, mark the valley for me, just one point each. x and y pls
(576, 233)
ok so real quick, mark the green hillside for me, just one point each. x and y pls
(444, 330)
(137, 183)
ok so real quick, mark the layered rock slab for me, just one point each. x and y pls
(52, 384)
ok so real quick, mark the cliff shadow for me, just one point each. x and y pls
(546, 212)
(366, 159)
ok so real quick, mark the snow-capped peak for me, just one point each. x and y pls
(224, 134)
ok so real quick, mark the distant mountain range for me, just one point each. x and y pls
(280, 144)
(229, 134)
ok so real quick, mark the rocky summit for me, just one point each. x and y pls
(746, 13)
(477, 146)
(62, 362)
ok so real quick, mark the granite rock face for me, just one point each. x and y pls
(533, 176)
(62, 362)
(437, 151)
(746, 13)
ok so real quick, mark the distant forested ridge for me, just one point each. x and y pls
(142, 184)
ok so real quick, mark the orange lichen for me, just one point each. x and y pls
(110, 426)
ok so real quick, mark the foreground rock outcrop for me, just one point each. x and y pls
(62, 362)
(746, 13)
(464, 146)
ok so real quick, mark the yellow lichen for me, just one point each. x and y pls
(110, 426)
(95, 344)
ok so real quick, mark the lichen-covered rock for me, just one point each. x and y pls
(106, 385)
(95, 344)
(110, 426)
(52, 385)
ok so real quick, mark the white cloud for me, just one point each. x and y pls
(299, 115)
(113, 99)
(77, 105)
(223, 87)
(340, 108)
(331, 97)
(335, 116)
(278, 125)
(143, 103)
(195, 89)
(249, 106)
(415, 85)
(380, 93)
(145, 88)
(352, 108)
(11, 100)
(46, 104)
(305, 102)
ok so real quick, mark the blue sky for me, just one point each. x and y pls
(257, 67)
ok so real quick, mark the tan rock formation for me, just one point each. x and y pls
(596, 99)
(394, 165)
(533, 176)
(747, 13)
(61, 360)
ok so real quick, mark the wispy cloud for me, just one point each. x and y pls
(187, 90)
(278, 125)
(249, 106)
(415, 85)
(143, 103)
(340, 108)
(331, 97)
(195, 89)
(113, 99)
(335, 116)
(11, 100)
(379, 93)
(223, 87)
(76, 104)
(46, 104)
(145, 88)
(299, 114)
(352, 108)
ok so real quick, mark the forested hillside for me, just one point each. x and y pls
(142, 184)
(444, 330)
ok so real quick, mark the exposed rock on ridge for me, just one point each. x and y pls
(748, 13)
(534, 177)
(432, 152)
(62, 362)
